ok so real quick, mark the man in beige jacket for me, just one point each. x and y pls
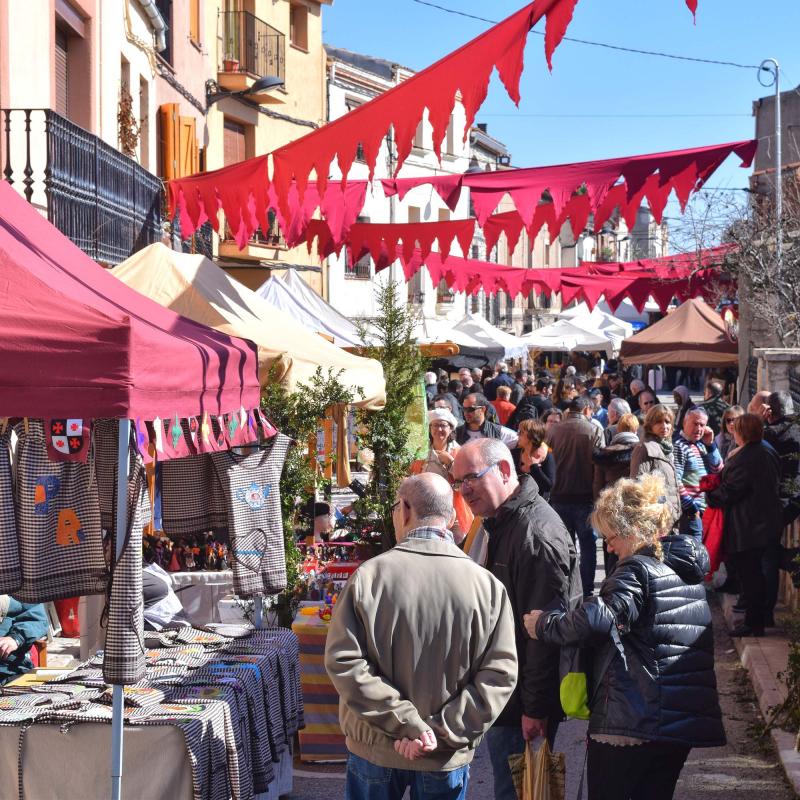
(421, 649)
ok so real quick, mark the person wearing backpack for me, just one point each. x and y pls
(652, 692)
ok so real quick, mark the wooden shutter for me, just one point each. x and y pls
(170, 141)
(194, 21)
(233, 143)
(61, 76)
(188, 155)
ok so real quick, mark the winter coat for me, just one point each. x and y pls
(490, 430)
(648, 457)
(749, 494)
(26, 623)
(533, 556)
(664, 690)
(573, 442)
(526, 409)
(613, 462)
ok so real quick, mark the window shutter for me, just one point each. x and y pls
(187, 153)
(61, 74)
(233, 143)
(194, 21)
(170, 141)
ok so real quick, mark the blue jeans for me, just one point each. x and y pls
(691, 526)
(368, 781)
(575, 517)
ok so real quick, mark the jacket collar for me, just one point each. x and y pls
(526, 493)
(433, 547)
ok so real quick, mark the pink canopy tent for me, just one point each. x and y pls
(75, 341)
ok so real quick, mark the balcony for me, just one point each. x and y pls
(262, 245)
(249, 49)
(105, 202)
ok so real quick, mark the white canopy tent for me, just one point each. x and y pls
(491, 337)
(625, 312)
(292, 295)
(567, 335)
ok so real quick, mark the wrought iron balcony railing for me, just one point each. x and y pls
(251, 45)
(105, 202)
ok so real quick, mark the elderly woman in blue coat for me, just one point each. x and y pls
(652, 688)
(21, 624)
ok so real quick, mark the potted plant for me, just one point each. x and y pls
(230, 63)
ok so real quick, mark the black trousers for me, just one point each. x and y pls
(749, 570)
(646, 771)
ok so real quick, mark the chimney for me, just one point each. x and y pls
(482, 126)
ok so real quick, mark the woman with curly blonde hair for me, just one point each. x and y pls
(652, 689)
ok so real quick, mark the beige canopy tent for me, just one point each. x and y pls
(195, 287)
(693, 335)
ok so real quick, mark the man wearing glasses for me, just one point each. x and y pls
(421, 649)
(532, 554)
(477, 426)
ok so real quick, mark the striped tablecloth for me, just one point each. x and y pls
(322, 738)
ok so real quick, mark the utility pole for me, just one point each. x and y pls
(773, 69)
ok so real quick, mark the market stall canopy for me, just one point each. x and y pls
(77, 343)
(471, 351)
(612, 327)
(567, 335)
(490, 337)
(292, 295)
(693, 335)
(197, 288)
(625, 312)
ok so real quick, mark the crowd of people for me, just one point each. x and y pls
(463, 630)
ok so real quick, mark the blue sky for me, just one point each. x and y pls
(600, 103)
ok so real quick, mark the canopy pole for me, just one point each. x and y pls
(258, 612)
(119, 542)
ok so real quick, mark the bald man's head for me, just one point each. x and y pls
(424, 500)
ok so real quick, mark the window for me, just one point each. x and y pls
(165, 9)
(547, 254)
(144, 125)
(361, 269)
(444, 294)
(444, 215)
(62, 73)
(298, 26)
(476, 252)
(352, 104)
(450, 139)
(194, 21)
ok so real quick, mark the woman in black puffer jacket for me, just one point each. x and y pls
(654, 697)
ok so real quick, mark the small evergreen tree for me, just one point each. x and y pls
(387, 433)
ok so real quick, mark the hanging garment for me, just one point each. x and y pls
(255, 525)
(58, 523)
(10, 569)
(124, 650)
(192, 499)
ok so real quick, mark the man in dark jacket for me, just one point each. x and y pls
(531, 553)
(714, 405)
(518, 389)
(501, 378)
(573, 442)
(535, 402)
(478, 426)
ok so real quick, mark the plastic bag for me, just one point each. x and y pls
(539, 775)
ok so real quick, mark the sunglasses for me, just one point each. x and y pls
(473, 409)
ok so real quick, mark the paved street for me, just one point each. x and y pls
(744, 766)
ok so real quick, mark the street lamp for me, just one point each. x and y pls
(264, 84)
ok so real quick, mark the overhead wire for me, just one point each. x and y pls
(606, 45)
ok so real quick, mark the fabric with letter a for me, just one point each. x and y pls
(58, 522)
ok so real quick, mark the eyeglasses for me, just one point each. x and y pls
(468, 479)
(610, 539)
(473, 409)
(730, 420)
(394, 507)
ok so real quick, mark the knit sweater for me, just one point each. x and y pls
(693, 460)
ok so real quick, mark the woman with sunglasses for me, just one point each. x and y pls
(724, 439)
(652, 689)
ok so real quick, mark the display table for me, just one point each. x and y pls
(322, 739)
(65, 765)
(200, 593)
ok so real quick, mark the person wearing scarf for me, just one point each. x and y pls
(655, 454)
(441, 429)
